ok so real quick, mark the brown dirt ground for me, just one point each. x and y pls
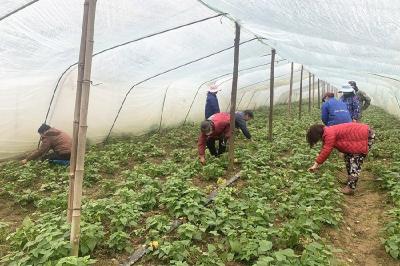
(359, 236)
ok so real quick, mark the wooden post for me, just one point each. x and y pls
(309, 92)
(231, 154)
(290, 89)
(301, 91)
(80, 158)
(271, 94)
(319, 96)
(313, 90)
(77, 112)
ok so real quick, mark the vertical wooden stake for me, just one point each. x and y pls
(290, 89)
(271, 94)
(80, 158)
(309, 92)
(301, 91)
(231, 154)
(319, 95)
(313, 90)
(75, 125)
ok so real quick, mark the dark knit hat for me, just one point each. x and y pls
(43, 128)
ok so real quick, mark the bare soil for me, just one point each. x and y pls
(359, 236)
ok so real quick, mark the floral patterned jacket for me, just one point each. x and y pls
(353, 104)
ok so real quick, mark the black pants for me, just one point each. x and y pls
(55, 156)
(221, 146)
(355, 161)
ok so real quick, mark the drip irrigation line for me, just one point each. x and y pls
(143, 250)
(120, 45)
(165, 72)
(18, 9)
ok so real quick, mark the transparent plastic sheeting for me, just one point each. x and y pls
(337, 40)
(40, 42)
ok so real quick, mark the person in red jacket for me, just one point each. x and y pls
(352, 139)
(216, 127)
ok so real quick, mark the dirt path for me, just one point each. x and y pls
(359, 236)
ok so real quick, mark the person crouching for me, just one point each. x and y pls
(216, 127)
(52, 139)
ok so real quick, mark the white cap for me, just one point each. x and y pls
(213, 88)
(346, 88)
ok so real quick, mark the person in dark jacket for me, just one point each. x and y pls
(241, 119)
(334, 112)
(352, 102)
(365, 101)
(353, 139)
(212, 106)
(52, 139)
(217, 127)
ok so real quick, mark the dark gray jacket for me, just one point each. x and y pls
(241, 123)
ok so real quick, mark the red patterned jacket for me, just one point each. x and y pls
(220, 127)
(347, 138)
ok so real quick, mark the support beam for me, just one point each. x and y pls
(313, 90)
(290, 89)
(80, 158)
(271, 94)
(309, 92)
(319, 95)
(231, 154)
(301, 90)
(75, 125)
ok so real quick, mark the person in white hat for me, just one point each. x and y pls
(212, 106)
(365, 101)
(352, 102)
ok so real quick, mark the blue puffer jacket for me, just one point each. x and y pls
(212, 106)
(334, 112)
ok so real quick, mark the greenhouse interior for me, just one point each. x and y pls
(199, 132)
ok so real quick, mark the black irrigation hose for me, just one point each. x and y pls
(143, 249)
(164, 72)
(123, 44)
(18, 9)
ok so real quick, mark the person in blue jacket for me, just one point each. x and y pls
(212, 106)
(334, 112)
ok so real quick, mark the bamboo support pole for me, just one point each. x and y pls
(290, 89)
(271, 94)
(309, 92)
(231, 153)
(301, 90)
(319, 94)
(77, 112)
(80, 158)
(313, 90)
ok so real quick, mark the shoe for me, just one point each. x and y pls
(348, 190)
